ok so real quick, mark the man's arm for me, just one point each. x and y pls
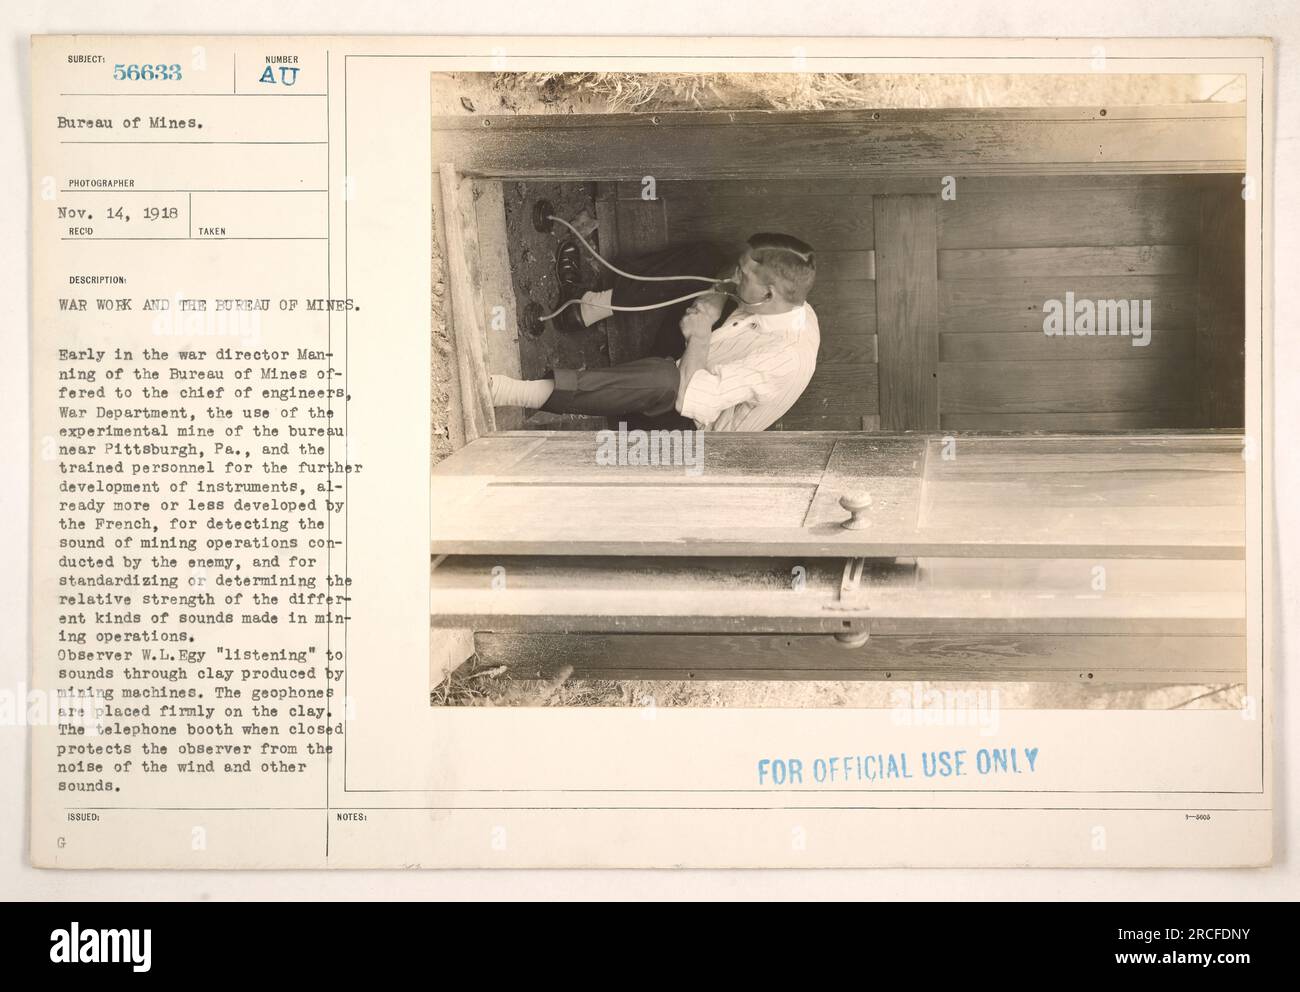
(697, 328)
(693, 359)
(765, 377)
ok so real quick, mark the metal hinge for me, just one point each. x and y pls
(852, 596)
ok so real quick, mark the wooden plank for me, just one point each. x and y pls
(847, 349)
(906, 314)
(1128, 421)
(1221, 308)
(1062, 386)
(739, 595)
(838, 224)
(852, 319)
(781, 188)
(642, 228)
(1011, 456)
(1057, 490)
(852, 266)
(1004, 305)
(828, 422)
(688, 611)
(466, 301)
(497, 290)
(607, 219)
(838, 390)
(1070, 218)
(489, 456)
(467, 271)
(685, 145)
(919, 182)
(622, 508)
(1019, 658)
(1114, 260)
(1060, 587)
(1098, 485)
(622, 333)
(843, 117)
(1021, 184)
(571, 457)
(890, 470)
(845, 309)
(543, 420)
(1029, 346)
(677, 510)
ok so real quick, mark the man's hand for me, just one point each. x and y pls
(697, 325)
(710, 306)
(697, 329)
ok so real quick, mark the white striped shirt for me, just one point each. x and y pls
(757, 366)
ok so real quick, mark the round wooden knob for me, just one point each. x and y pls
(852, 638)
(858, 505)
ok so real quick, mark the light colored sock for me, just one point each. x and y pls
(531, 394)
(595, 306)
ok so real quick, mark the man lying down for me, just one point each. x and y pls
(733, 360)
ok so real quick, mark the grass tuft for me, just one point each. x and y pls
(809, 91)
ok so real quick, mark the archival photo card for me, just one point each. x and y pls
(641, 452)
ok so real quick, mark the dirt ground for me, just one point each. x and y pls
(473, 685)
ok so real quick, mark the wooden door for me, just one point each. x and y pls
(568, 493)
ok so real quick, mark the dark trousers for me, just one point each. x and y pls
(644, 392)
(647, 387)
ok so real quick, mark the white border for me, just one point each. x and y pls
(1081, 18)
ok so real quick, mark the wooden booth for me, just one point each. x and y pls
(957, 494)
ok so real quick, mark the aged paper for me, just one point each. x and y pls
(305, 596)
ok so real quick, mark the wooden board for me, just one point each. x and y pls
(571, 459)
(755, 495)
(839, 389)
(1221, 308)
(847, 349)
(1063, 386)
(497, 290)
(1115, 260)
(460, 226)
(793, 595)
(1071, 218)
(1029, 346)
(466, 272)
(1019, 658)
(850, 266)
(828, 224)
(1089, 485)
(906, 314)
(847, 143)
(1016, 304)
(641, 228)
(1108, 423)
(827, 422)
(845, 310)
(922, 181)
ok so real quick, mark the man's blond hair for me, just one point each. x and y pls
(786, 262)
